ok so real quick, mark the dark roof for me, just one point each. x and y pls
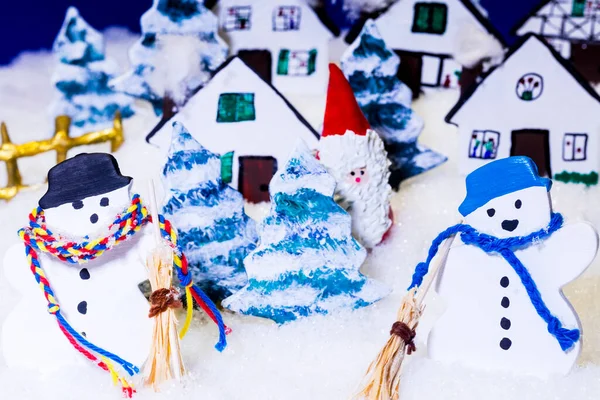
(483, 20)
(565, 64)
(531, 13)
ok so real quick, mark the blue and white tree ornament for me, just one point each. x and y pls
(214, 231)
(81, 77)
(307, 261)
(371, 68)
(178, 52)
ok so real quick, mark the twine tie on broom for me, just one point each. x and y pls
(406, 334)
(38, 238)
(163, 299)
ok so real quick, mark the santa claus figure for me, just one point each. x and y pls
(355, 155)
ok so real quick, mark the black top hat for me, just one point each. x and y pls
(82, 176)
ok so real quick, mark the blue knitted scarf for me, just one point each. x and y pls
(506, 248)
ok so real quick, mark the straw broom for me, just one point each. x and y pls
(382, 379)
(164, 362)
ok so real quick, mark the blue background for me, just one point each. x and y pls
(33, 24)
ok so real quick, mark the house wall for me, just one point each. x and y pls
(274, 132)
(396, 25)
(564, 106)
(312, 34)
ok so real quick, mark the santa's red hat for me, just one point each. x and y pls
(342, 111)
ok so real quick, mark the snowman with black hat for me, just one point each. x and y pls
(91, 292)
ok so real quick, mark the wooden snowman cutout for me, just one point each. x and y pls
(490, 321)
(100, 298)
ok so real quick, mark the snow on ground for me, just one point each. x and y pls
(316, 358)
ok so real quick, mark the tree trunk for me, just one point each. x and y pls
(169, 110)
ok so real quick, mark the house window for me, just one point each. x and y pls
(530, 87)
(578, 9)
(286, 18)
(430, 18)
(484, 144)
(575, 146)
(237, 18)
(236, 107)
(296, 62)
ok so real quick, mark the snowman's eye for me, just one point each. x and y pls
(352, 173)
(491, 212)
(362, 172)
(518, 204)
(104, 202)
(77, 204)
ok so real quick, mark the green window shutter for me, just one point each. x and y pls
(312, 61)
(578, 8)
(236, 107)
(227, 167)
(226, 108)
(421, 20)
(282, 62)
(439, 18)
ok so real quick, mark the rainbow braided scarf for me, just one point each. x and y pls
(37, 238)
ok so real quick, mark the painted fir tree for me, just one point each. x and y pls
(307, 261)
(214, 231)
(177, 53)
(371, 68)
(81, 77)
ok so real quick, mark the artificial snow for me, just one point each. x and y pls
(318, 358)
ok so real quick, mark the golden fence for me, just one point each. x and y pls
(61, 142)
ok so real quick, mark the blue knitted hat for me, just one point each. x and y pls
(498, 178)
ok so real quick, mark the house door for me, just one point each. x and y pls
(410, 70)
(260, 61)
(586, 58)
(535, 144)
(469, 77)
(255, 173)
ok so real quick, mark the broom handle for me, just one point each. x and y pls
(433, 272)
(154, 212)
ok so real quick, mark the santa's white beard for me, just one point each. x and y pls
(368, 202)
(369, 207)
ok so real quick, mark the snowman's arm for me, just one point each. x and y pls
(569, 251)
(16, 268)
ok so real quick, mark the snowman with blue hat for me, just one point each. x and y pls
(502, 280)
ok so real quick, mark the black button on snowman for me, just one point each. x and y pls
(492, 319)
(100, 299)
(505, 343)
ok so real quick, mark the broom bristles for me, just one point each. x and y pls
(383, 375)
(382, 379)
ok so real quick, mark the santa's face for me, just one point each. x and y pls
(358, 176)
(89, 216)
(515, 214)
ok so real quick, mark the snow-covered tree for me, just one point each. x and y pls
(81, 77)
(177, 53)
(371, 69)
(214, 231)
(307, 261)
